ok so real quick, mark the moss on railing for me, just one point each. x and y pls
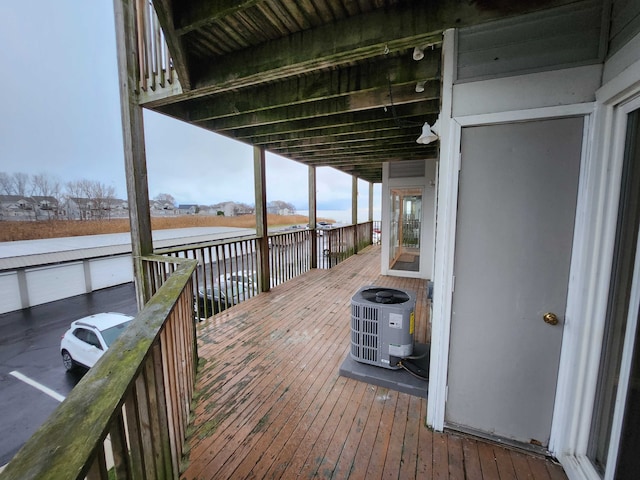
(66, 444)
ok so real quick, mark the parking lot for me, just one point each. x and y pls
(33, 380)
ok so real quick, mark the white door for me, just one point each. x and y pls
(516, 208)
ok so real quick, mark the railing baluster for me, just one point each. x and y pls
(154, 421)
(149, 42)
(98, 469)
(145, 426)
(119, 448)
(135, 439)
(142, 48)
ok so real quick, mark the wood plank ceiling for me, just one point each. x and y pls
(323, 82)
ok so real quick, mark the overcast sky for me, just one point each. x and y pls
(61, 116)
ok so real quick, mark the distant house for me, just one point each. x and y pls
(187, 209)
(119, 208)
(80, 208)
(244, 209)
(161, 208)
(45, 206)
(276, 209)
(225, 208)
(17, 207)
(231, 209)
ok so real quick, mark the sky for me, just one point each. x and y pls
(61, 117)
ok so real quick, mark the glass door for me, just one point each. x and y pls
(405, 229)
(615, 429)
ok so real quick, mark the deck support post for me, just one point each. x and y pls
(371, 201)
(313, 219)
(133, 142)
(354, 211)
(371, 212)
(262, 231)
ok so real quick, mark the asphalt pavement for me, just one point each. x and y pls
(33, 380)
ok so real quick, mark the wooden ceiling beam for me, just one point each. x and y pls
(356, 102)
(373, 151)
(264, 135)
(202, 13)
(308, 118)
(318, 134)
(346, 139)
(379, 157)
(373, 162)
(354, 147)
(357, 85)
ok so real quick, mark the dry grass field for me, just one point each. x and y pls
(11, 231)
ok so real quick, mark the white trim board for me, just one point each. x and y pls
(554, 88)
(447, 191)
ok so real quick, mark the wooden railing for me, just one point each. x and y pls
(228, 270)
(157, 75)
(289, 255)
(376, 233)
(127, 417)
(338, 244)
(225, 274)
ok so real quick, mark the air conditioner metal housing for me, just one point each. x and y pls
(382, 325)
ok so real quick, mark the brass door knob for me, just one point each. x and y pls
(550, 318)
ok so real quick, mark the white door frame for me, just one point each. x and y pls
(575, 410)
(388, 184)
(446, 230)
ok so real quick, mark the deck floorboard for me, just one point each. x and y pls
(270, 404)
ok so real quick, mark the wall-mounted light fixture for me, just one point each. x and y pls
(420, 86)
(418, 53)
(429, 133)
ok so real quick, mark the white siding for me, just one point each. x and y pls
(551, 39)
(47, 284)
(625, 23)
(10, 298)
(110, 271)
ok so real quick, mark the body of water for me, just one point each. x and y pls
(344, 216)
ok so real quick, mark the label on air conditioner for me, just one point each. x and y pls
(395, 320)
(412, 323)
(400, 350)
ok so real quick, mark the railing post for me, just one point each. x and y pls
(261, 218)
(354, 211)
(371, 212)
(313, 220)
(133, 142)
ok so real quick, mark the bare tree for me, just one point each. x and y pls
(21, 184)
(76, 199)
(6, 184)
(104, 197)
(165, 198)
(280, 205)
(92, 199)
(242, 209)
(44, 185)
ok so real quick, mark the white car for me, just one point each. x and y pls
(88, 338)
(241, 282)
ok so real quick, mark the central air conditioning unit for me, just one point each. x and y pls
(382, 325)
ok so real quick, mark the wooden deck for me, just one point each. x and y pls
(270, 403)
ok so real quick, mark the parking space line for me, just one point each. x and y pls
(39, 386)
